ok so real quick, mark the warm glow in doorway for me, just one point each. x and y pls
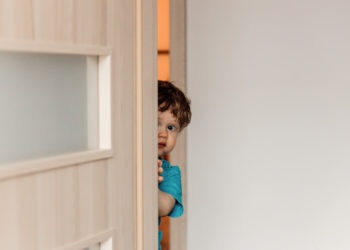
(163, 40)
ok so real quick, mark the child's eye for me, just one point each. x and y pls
(171, 127)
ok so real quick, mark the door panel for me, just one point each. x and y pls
(77, 200)
(54, 208)
(81, 22)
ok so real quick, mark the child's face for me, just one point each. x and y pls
(168, 128)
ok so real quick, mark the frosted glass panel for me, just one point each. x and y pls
(48, 105)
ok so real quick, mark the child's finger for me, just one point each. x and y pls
(160, 170)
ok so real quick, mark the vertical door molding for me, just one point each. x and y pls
(178, 75)
(146, 126)
(134, 206)
(121, 171)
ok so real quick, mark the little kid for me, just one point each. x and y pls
(174, 114)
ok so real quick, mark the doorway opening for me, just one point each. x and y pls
(172, 67)
(164, 74)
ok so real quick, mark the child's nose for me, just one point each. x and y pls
(162, 133)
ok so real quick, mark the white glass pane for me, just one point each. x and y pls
(48, 105)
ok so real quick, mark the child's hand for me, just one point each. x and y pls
(160, 170)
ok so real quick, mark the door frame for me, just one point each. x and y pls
(178, 226)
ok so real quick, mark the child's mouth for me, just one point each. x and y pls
(161, 145)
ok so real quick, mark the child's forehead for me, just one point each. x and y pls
(167, 115)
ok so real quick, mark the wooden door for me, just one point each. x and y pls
(101, 193)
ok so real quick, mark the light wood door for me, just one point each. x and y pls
(102, 196)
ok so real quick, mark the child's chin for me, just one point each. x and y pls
(161, 153)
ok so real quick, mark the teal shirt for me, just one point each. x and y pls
(171, 185)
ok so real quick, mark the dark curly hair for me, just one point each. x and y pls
(172, 98)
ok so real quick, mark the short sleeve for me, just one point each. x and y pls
(172, 185)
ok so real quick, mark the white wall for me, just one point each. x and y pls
(269, 144)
